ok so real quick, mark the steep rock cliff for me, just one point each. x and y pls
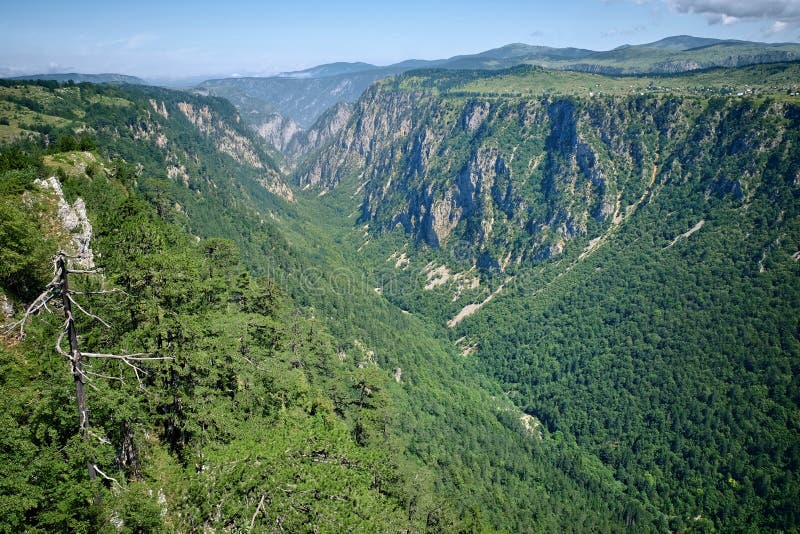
(305, 142)
(517, 178)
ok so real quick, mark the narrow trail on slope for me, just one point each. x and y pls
(686, 234)
(469, 309)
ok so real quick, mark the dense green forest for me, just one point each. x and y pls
(252, 404)
(625, 265)
(623, 270)
(285, 394)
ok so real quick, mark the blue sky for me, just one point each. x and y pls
(172, 40)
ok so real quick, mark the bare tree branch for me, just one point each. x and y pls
(138, 357)
(41, 301)
(100, 375)
(58, 288)
(101, 292)
(70, 256)
(84, 271)
(105, 476)
(258, 509)
(99, 438)
(136, 370)
(51, 291)
(60, 340)
(93, 316)
(86, 381)
(128, 360)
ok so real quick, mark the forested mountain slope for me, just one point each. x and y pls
(520, 301)
(303, 96)
(179, 438)
(300, 400)
(518, 164)
(621, 253)
(219, 361)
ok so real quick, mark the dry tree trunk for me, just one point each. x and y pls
(76, 358)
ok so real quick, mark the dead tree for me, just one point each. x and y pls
(59, 290)
(75, 356)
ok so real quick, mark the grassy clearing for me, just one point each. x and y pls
(14, 118)
(110, 101)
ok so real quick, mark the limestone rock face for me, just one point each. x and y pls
(444, 217)
(6, 308)
(305, 142)
(278, 131)
(517, 178)
(474, 115)
(228, 141)
(74, 221)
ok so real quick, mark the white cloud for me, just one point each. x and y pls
(53, 68)
(778, 26)
(779, 15)
(732, 11)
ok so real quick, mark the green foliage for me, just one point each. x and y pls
(25, 250)
(242, 366)
(20, 156)
(24, 256)
(532, 81)
(662, 376)
(671, 354)
(660, 342)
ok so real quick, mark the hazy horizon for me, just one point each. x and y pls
(247, 38)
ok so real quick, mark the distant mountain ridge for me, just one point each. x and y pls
(681, 42)
(329, 69)
(78, 77)
(300, 98)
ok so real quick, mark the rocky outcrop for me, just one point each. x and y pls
(474, 115)
(306, 142)
(159, 107)
(445, 215)
(160, 121)
(178, 173)
(429, 168)
(6, 308)
(228, 141)
(74, 222)
(295, 143)
(377, 123)
(278, 131)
